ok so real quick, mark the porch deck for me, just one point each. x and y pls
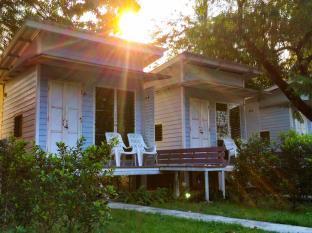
(184, 160)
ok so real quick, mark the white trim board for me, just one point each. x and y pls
(163, 169)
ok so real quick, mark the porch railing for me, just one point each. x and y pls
(209, 156)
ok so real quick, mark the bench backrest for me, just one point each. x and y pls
(192, 156)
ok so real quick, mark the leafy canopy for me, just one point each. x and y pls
(103, 14)
(274, 36)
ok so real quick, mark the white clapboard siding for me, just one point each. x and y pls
(168, 113)
(276, 120)
(20, 99)
(252, 115)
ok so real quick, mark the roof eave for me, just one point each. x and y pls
(60, 29)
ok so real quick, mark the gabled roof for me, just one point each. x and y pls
(200, 60)
(30, 30)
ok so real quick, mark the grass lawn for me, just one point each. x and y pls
(128, 222)
(302, 217)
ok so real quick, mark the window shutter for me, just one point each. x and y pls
(235, 122)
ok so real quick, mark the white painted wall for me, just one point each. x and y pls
(20, 98)
(168, 109)
(276, 120)
(252, 115)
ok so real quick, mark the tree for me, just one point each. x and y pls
(274, 36)
(104, 14)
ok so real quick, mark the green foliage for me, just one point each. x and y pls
(267, 35)
(144, 197)
(255, 170)
(63, 192)
(261, 171)
(70, 12)
(296, 162)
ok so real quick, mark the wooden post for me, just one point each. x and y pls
(223, 183)
(206, 186)
(176, 186)
(219, 181)
(187, 181)
(143, 181)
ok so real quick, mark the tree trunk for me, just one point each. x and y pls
(274, 73)
(276, 76)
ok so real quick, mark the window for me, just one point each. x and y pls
(115, 112)
(158, 132)
(265, 135)
(18, 126)
(222, 120)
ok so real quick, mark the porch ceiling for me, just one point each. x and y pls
(231, 92)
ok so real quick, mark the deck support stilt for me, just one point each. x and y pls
(143, 181)
(219, 181)
(176, 186)
(223, 183)
(206, 186)
(187, 181)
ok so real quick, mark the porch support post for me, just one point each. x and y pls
(143, 181)
(219, 181)
(223, 183)
(187, 180)
(206, 186)
(176, 186)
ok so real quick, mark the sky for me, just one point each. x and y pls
(153, 15)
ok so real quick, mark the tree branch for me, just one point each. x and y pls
(274, 73)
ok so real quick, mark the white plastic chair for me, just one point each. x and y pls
(230, 146)
(119, 148)
(137, 143)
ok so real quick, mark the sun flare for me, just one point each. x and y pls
(132, 27)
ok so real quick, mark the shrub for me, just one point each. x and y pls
(63, 192)
(255, 171)
(144, 197)
(296, 162)
(261, 171)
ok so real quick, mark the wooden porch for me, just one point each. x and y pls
(183, 160)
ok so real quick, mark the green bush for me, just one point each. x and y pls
(144, 197)
(296, 162)
(262, 171)
(255, 171)
(63, 192)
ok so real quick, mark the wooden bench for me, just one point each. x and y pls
(209, 156)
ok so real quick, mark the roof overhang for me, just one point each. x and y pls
(31, 29)
(222, 65)
(84, 66)
(231, 92)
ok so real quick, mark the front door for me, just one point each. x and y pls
(199, 120)
(64, 114)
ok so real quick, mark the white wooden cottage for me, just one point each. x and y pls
(59, 84)
(202, 103)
